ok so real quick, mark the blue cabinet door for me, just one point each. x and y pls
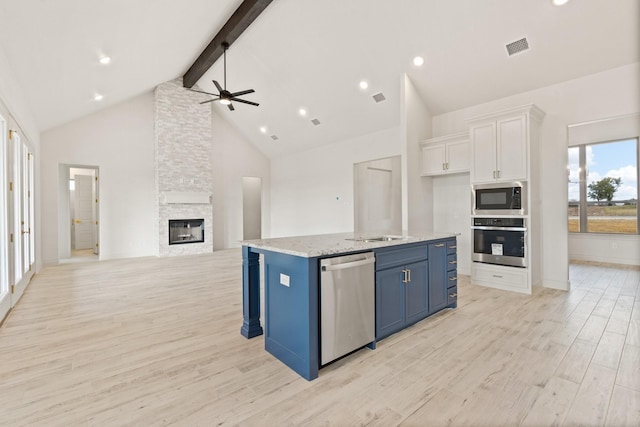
(416, 294)
(389, 302)
(438, 297)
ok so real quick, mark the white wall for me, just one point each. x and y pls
(610, 93)
(234, 158)
(416, 126)
(312, 191)
(119, 140)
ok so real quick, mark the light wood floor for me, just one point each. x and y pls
(147, 342)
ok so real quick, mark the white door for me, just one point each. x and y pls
(458, 156)
(433, 159)
(84, 222)
(22, 216)
(5, 297)
(483, 153)
(512, 148)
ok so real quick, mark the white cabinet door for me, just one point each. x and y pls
(483, 152)
(433, 160)
(511, 149)
(457, 158)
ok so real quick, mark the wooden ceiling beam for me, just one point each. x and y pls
(244, 15)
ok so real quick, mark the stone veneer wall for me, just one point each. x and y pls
(183, 137)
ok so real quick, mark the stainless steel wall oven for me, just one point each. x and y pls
(500, 241)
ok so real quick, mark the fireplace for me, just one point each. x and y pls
(186, 231)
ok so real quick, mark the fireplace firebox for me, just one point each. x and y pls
(186, 231)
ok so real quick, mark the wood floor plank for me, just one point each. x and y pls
(590, 406)
(629, 368)
(553, 403)
(624, 409)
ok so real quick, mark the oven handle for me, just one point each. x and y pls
(482, 227)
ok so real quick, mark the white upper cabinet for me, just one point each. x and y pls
(500, 145)
(445, 154)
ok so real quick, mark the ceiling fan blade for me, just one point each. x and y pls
(217, 86)
(244, 92)
(200, 91)
(231, 107)
(209, 100)
(245, 102)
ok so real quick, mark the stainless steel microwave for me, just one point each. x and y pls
(503, 198)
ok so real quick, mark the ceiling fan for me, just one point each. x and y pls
(224, 96)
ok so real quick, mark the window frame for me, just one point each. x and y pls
(583, 217)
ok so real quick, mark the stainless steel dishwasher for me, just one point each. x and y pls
(347, 304)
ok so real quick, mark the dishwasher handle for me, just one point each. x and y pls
(348, 264)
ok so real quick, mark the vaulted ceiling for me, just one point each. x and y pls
(310, 54)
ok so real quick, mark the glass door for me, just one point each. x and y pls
(22, 217)
(5, 298)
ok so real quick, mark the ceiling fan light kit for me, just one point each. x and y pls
(224, 96)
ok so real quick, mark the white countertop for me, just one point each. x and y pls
(331, 244)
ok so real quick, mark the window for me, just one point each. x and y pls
(603, 187)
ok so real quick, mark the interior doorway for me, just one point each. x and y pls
(251, 208)
(83, 212)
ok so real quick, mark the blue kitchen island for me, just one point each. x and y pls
(292, 279)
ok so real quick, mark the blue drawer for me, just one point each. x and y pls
(452, 295)
(395, 257)
(452, 246)
(452, 279)
(452, 262)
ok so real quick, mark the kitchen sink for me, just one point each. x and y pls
(377, 239)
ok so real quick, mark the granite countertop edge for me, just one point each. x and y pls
(333, 244)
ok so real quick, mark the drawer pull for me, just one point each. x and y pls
(453, 279)
(453, 247)
(440, 245)
(496, 276)
(453, 295)
(453, 262)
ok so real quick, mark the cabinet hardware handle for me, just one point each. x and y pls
(440, 245)
(453, 295)
(453, 247)
(494, 174)
(498, 174)
(499, 277)
(443, 166)
(453, 279)
(404, 276)
(453, 262)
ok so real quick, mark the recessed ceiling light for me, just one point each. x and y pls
(105, 60)
(418, 61)
(559, 2)
(364, 85)
(263, 129)
(302, 112)
(98, 97)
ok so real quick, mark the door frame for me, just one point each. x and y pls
(64, 209)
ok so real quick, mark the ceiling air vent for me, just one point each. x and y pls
(315, 122)
(379, 97)
(274, 137)
(518, 46)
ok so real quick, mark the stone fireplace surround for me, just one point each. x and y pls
(184, 179)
